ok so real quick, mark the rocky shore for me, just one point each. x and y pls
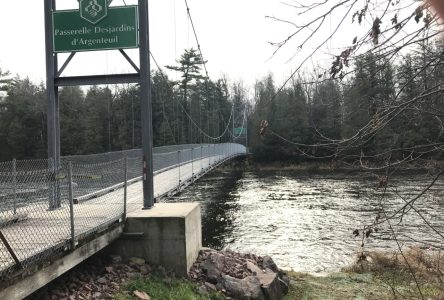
(232, 275)
(239, 276)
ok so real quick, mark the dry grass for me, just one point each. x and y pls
(380, 276)
(426, 264)
(404, 273)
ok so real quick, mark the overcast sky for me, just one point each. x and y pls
(233, 35)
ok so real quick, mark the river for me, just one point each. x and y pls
(305, 220)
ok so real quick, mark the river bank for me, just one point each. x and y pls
(217, 276)
(250, 164)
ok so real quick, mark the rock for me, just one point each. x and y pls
(248, 288)
(161, 270)
(102, 280)
(268, 263)
(132, 274)
(253, 268)
(110, 270)
(210, 287)
(284, 282)
(202, 290)
(137, 261)
(213, 266)
(271, 285)
(115, 259)
(270, 281)
(145, 269)
(97, 295)
(141, 295)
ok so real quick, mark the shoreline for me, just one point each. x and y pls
(221, 275)
(322, 167)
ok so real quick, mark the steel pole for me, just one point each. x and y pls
(178, 162)
(125, 187)
(71, 206)
(146, 106)
(192, 164)
(14, 184)
(53, 120)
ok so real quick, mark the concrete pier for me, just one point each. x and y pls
(169, 235)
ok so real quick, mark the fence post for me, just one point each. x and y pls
(125, 187)
(14, 184)
(214, 154)
(71, 205)
(178, 162)
(192, 164)
(201, 158)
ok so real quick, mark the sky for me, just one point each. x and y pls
(233, 35)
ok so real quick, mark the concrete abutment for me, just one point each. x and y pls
(169, 235)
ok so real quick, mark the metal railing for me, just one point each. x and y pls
(44, 213)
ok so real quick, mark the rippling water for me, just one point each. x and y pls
(305, 220)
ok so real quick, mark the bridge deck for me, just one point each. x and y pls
(37, 235)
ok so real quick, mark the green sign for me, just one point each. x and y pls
(117, 30)
(93, 11)
(240, 130)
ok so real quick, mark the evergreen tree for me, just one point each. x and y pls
(23, 121)
(72, 128)
(326, 111)
(97, 119)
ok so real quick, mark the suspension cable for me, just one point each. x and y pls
(243, 123)
(186, 113)
(197, 40)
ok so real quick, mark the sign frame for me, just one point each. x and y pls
(136, 18)
(55, 80)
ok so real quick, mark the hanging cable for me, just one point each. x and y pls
(243, 123)
(186, 113)
(197, 40)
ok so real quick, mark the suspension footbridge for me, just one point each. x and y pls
(95, 193)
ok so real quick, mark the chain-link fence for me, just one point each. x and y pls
(47, 209)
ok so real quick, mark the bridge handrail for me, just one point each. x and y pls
(32, 191)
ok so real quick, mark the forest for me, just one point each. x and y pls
(107, 118)
(315, 116)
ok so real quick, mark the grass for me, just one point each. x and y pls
(159, 288)
(382, 276)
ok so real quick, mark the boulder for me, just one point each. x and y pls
(268, 263)
(115, 259)
(248, 288)
(284, 282)
(270, 285)
(136, 261)
(210, 287)
(213, 266)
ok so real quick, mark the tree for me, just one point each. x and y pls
(326, 111)
(288, 115)
(72, 129)
(189, 65)
(389, 120)
(23, 121)
(5, 80)
(97, 120)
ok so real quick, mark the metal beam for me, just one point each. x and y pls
(129, 60)
(146, 106)
(11, 252)
(53, 121)
(66, 63)
(97, 79)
